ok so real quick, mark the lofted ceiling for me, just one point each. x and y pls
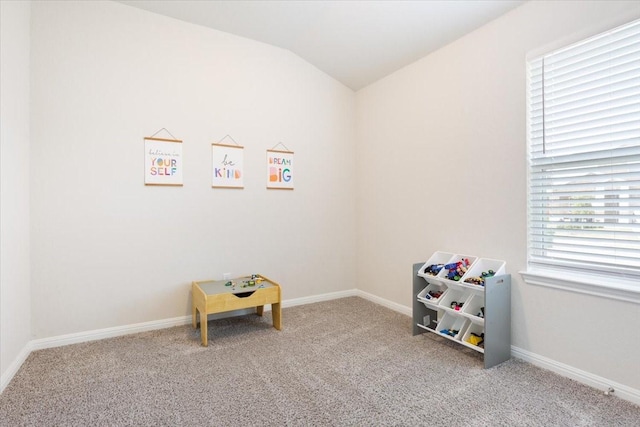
(355, 42)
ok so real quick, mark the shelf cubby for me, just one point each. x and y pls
(455, 259)
(450, 322)
(473, 329)
(432, 301)
(483, 265)
(454, 295)
(473, 307)
(436, 259)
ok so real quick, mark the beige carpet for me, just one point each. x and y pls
(345, 362)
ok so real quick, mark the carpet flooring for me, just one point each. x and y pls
(346, 362)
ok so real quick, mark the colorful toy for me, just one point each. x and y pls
(475, 339)
(433, 269)
(475, 281)
(480, 280)
(449, 332)
(456, 305)
(489, 273)
(252, 281)
(433, 294)
(457, 269)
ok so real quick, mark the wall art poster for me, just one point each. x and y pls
(280, 170)
(227, 166)
(162, 161)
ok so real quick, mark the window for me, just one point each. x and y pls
(584, 157)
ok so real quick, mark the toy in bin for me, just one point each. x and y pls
(480, 280)
(449, 332)
(433, 294)
(476, 339)
(457, 269)
(456, 305)
(433, 269)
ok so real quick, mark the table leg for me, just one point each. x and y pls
(260, 310)
(203, 327)
(194, 320)
(276, 313)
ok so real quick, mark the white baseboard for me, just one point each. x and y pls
(319, 298)
(622, 391)
(116, 331)
(587, 378)
(385, 302)
(8, 375)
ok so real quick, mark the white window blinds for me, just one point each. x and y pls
(584, 155)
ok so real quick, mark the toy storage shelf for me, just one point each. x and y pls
(460, 310)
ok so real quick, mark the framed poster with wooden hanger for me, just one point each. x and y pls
(227, 165)
(163, 163)
(280, 172)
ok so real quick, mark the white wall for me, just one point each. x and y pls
(15, 302)
(442, 166)
(108, 251)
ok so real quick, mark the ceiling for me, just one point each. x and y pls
(356, 42)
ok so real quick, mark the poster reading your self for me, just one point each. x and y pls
(162, 161)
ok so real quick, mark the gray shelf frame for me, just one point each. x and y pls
(497, 315)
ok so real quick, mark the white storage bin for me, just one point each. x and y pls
(451, 322)
(436, 258)
(431, 301)
(455, 295)
(483, 265)
(473, 329)
(473, 307)
(457, 258)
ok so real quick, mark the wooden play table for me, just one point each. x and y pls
(218, 296)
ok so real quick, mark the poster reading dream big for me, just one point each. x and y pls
(280, 170)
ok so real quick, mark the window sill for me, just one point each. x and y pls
(600, 286)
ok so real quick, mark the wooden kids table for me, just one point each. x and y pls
(218, 296)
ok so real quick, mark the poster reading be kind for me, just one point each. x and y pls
(162, 161)
(227, 166)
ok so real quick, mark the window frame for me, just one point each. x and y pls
(601, 285)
